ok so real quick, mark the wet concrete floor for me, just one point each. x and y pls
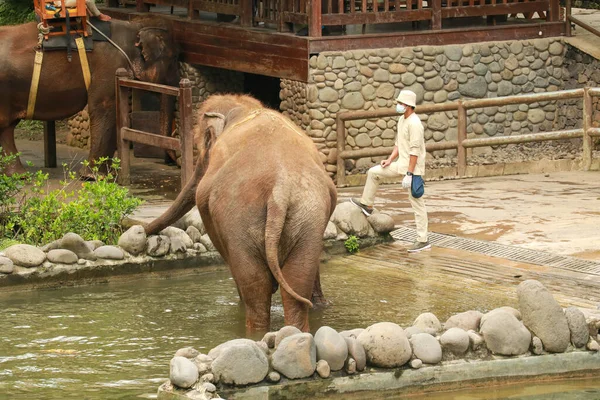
(557, 213)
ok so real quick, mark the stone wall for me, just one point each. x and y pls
(371, 79)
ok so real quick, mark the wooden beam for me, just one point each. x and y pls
(376, 18)
(150, 139)
(497, 9)
(314, 18)
(436, 38)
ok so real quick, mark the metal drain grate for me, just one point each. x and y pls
(512, 253)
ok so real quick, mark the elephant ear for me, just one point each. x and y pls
(151, 43)
(215, 123)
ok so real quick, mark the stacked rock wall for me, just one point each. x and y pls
(371, 79)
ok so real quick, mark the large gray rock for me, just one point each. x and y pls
(94, 244)
(381, 223)
(62, 256)
(426, 348)
(455, 340)
(25, 255)
(323, 369)
(184, 373)
(177, 246)
(215, 352)
(350, 220)
(205, 240)
(543, 316)
(504, 334)
(187, 352)
(241, 364)
(194, 234)
(284, 332)
(109, 253)
(330, 231)
(577, 326)
(176, 233)
(296, 356)
(158, 245)
(356, 352)
(385, 344)
(429, 323)
(192, 218)
(413, 330)
(75, 243)
(6, 265)
(133, 240)
(514, 312)
(475, 87)
(352, 332)
(331, 347)
(468, 320)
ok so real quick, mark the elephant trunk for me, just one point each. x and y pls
(276, 214)
(182, 204)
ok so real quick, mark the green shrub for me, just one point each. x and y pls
(15, 12)
(352, 244)
(10, 188)
(94, 210)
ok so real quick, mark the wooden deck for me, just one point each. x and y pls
(272, 43)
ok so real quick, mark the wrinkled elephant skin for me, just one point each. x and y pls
(62, 91)
(265, 200)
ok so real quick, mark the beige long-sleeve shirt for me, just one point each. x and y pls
(410, 141)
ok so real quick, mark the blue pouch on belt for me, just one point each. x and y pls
(417, 188)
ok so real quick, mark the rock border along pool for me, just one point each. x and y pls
(72, 260)
(538, 341)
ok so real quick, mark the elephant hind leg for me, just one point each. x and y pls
(7, 142)
(300, 272)
(254, 284)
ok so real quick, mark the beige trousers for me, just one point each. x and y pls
(374, 177)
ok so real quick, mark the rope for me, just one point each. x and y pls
(42, 32)
(114, 44)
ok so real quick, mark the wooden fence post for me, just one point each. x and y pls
(567, 15)
(436, 15)
(587, 124)
(122, 105)
(314, 18)
(461, 157)
(185, 134)
(341, 144)
(50, 144)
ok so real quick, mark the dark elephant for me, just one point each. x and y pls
(265, 200)
(62, 91)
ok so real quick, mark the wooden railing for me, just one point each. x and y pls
(462, 143)
(125, 134)
(319, 13)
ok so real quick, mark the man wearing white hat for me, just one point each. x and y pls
(410, 151)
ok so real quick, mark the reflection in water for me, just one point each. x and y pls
(115, 341)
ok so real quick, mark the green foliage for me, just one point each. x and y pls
(94, 210)
(15, 12)
(10, 188)
(352, 244)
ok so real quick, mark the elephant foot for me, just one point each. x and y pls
(14, 169)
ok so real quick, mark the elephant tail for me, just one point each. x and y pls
(276, 215)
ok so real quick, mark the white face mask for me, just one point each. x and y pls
(400, 108)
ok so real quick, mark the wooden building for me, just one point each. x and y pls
(277, 37)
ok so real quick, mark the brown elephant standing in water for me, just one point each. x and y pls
(62, 93)
(265, 200)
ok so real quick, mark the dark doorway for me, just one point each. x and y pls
(264, 88)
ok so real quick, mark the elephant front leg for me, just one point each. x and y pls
(7, 142)
(103, 135)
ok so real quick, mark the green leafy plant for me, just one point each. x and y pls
(93, 210)
(10, 188)
(14, 12)
(351, 244)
